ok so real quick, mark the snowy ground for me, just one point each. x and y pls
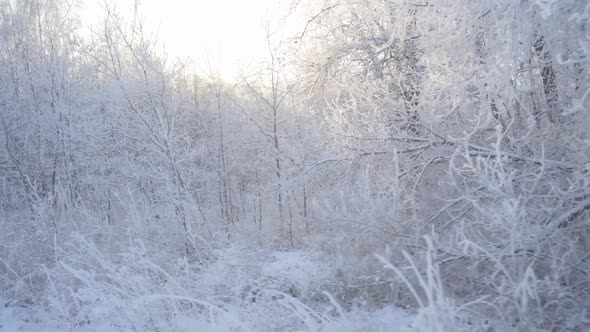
(243, 290)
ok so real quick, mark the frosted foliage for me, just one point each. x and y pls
(388, 166)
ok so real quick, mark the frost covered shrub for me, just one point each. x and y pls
(126, 290)
(472, 129)
(518, 236)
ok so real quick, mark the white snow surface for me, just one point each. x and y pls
(244, 290)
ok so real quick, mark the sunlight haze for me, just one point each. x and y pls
(224, 33)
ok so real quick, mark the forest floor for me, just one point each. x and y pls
(249, 290)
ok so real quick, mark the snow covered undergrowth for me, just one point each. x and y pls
(240, 290)
(379, 320)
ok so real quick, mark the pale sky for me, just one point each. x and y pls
(227, 32)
